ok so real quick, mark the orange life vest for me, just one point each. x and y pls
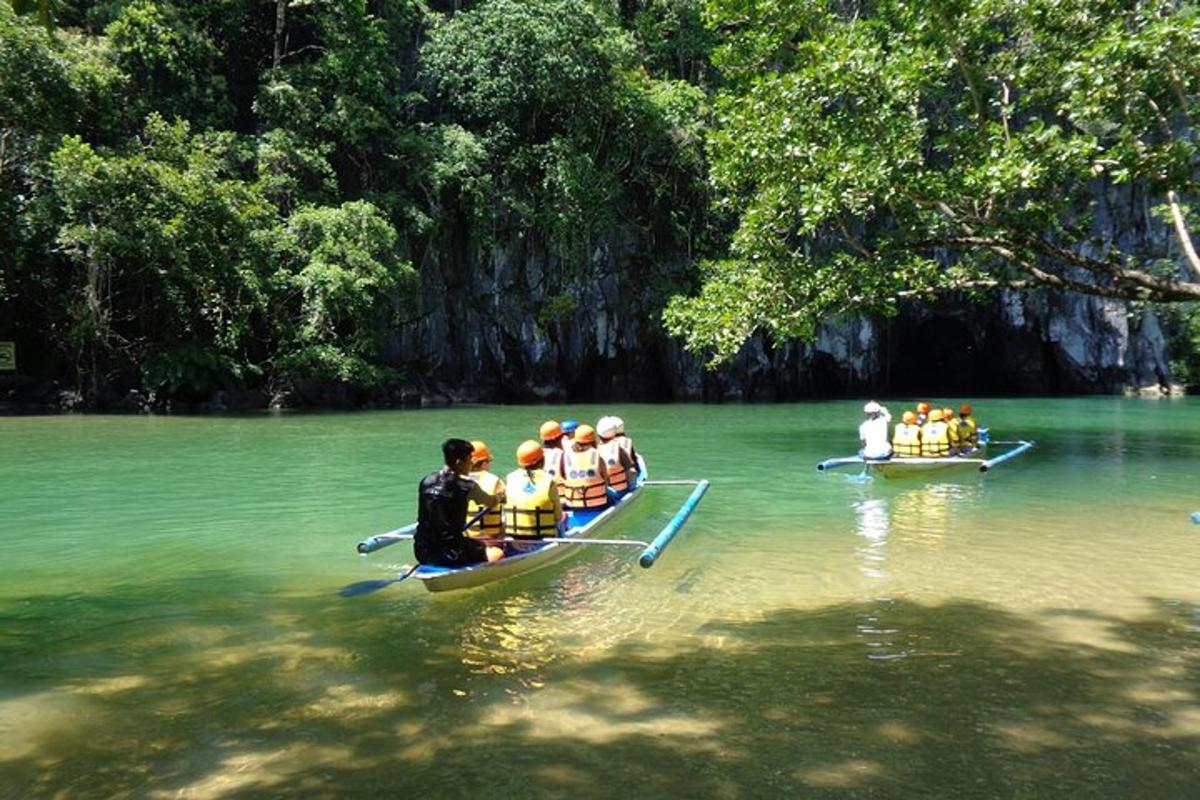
(583, 485)
(618, 476)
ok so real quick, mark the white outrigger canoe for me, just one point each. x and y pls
(911, 467)
(580, 530)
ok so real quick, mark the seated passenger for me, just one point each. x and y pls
(935, 438)
(873, 433)
(585, 479)
(442, 506)
(532, 509)
(906, 442)
(922, 413)
(951, 429)
(569, 427)
(621, 468)
(625, 442)
(489, 525)
(968, 431)
(551, 434)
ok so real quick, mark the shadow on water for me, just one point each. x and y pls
(248, 695)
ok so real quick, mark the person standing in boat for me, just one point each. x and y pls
(488, 526)
(442, 499)
(585, 478)
(935, 438)
(621, 469)
(906, 441)
(873, 433)
(532, 508)
(551, 434)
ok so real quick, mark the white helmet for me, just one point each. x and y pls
(607, 427)
(872, 408)
(620, 423)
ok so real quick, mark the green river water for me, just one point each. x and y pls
(170, 624)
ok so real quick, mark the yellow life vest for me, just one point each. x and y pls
(952, 433)
(529, 504)
(968, 433)
(906, 441)
(618, 477)
(488, 526)
(584, 486)
(935, 440)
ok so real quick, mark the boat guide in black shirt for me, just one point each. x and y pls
(442, 511)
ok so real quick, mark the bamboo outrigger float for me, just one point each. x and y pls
(581, 527)
(906, 467)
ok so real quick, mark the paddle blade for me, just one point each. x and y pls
(365, 587)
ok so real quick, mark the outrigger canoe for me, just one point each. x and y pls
(581, 529)
(908, 467)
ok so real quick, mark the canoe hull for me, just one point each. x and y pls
(918, 467)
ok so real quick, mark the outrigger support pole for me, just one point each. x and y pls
(651, 553)
(382, 540)
(1016, 451)
(834, 463)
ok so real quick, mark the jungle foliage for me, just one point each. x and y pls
(877, 151)
(223, 194)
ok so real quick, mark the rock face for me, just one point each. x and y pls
(521, 331)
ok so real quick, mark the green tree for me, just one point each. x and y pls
(337, 279)
(899, 150)
(165, 277)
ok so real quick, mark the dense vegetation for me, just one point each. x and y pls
(217, 194)
(894, 149)
(231, 193)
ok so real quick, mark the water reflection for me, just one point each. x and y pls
(924, 516)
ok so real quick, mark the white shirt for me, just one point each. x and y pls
(874, 435)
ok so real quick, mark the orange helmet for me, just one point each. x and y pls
(947, 413)
(922, 408)
(585, 434)
(529, 453)
(550, 430)
(481, 453)
(935, 415)
(965, 409)
(908, 418)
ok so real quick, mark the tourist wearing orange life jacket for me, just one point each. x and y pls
(625, 442)
(551, 434)
(906, 441)
(532, 508)
(585, 478)
(621, 468)
(490, 525)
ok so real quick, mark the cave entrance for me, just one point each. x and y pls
(939, 357)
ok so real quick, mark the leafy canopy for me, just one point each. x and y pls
(912, 149)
